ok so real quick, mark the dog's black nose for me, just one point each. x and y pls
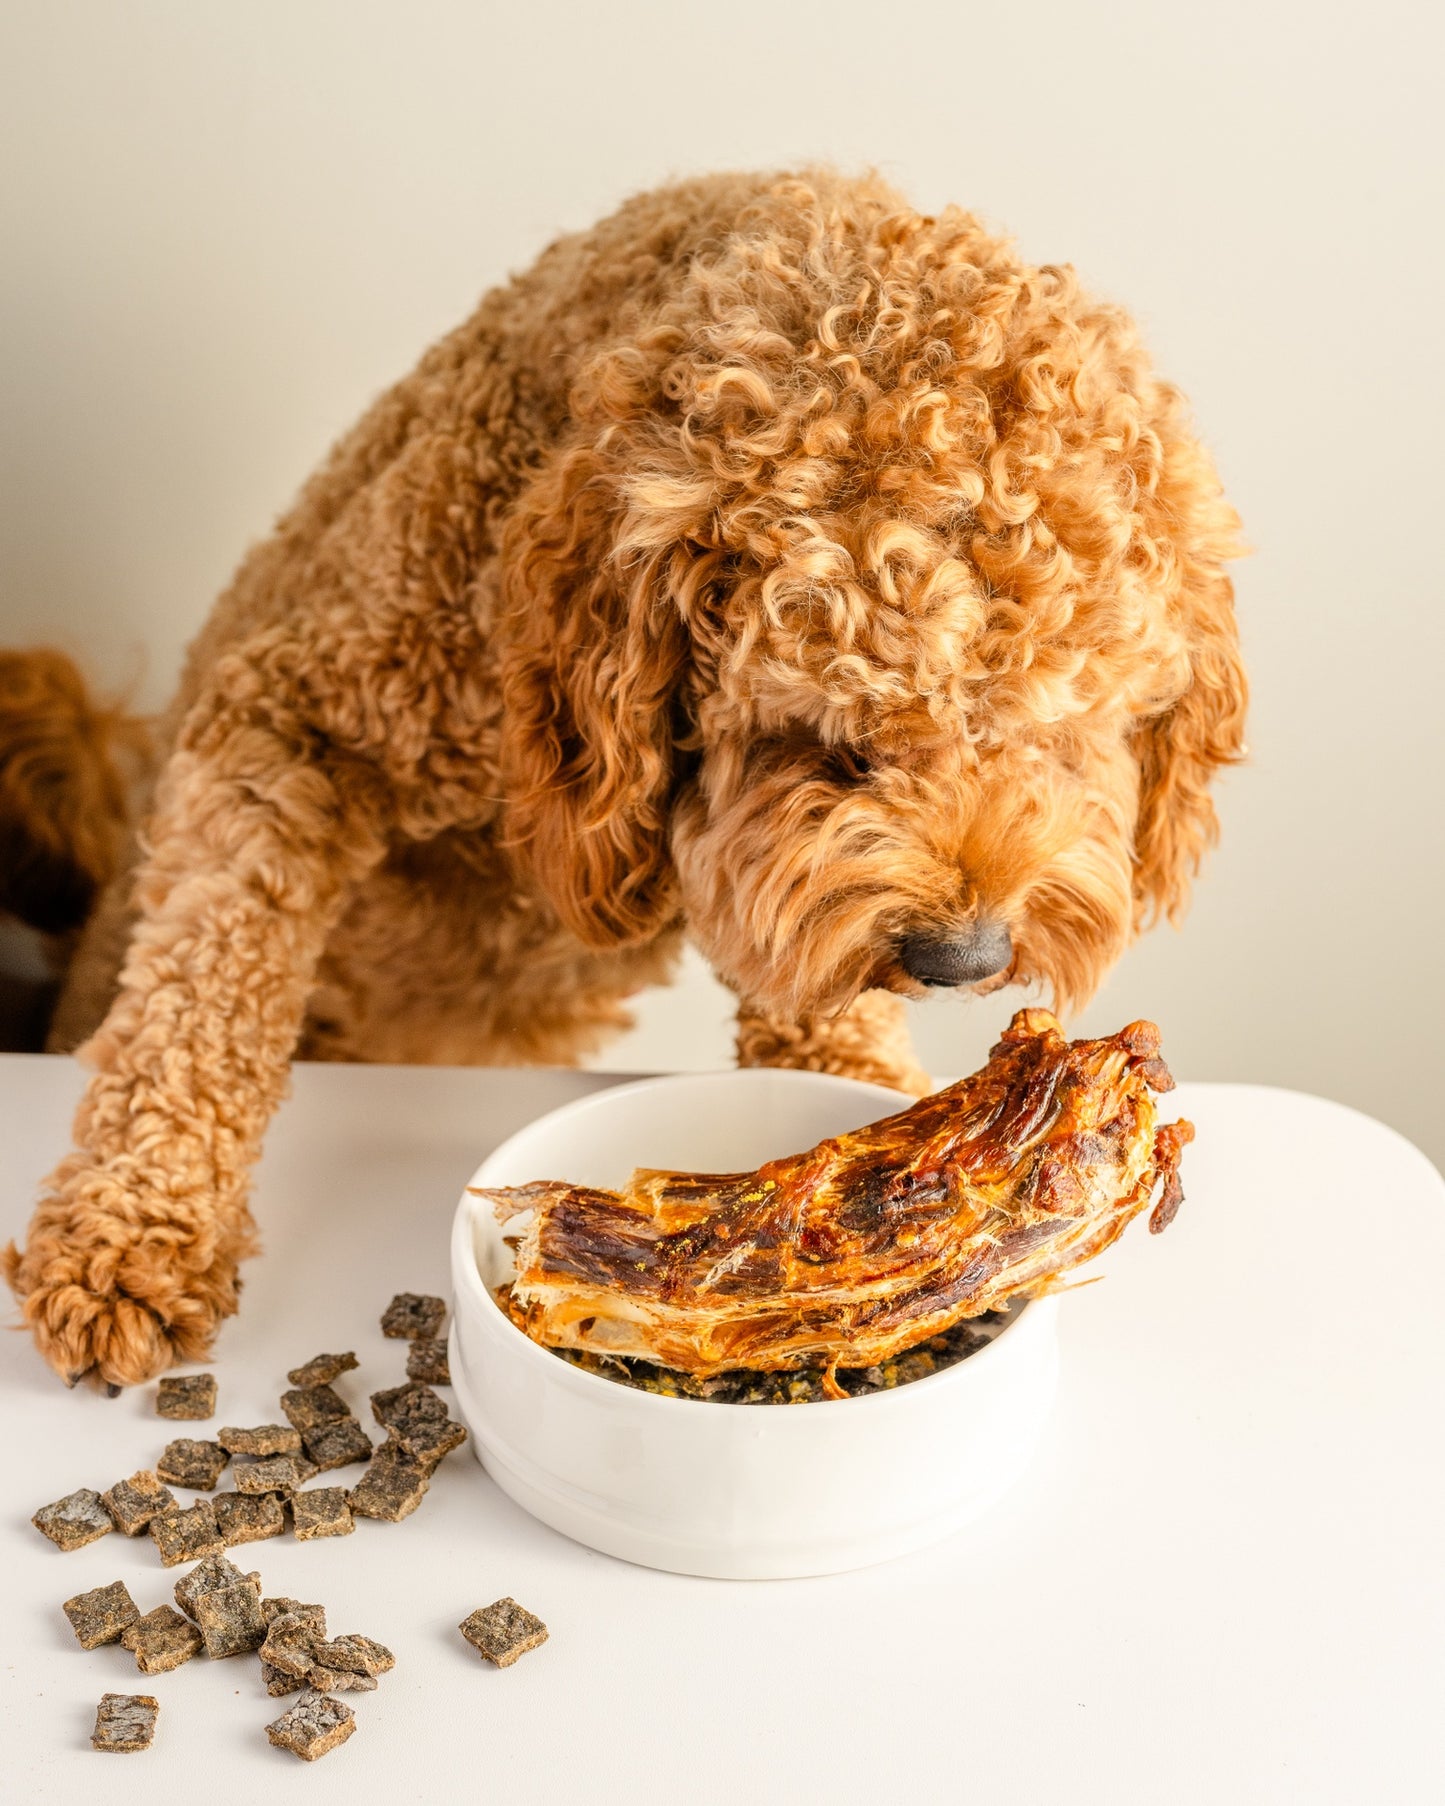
(957, 959)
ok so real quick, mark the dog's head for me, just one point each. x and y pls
(874, 618)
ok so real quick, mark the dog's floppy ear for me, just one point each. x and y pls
(592, 655)
(1180, 748)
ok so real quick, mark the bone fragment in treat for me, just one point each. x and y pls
(206, 1576)
(192, 1395)
(229, 1619)
(263, 1439)
(321, 1369)
(77, 1519)
(124, 1723)
(503, 1631)
(243, 1519)
(412, 1314)
(313, 1726)
(161, 1640)
(427, 1360)
(134, 1502)
(872, 1242)
(321, 1511)
(187, 1462)
(100, 1615)
(392, 1487)
(340, 1442)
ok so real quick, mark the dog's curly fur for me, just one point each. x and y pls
(771, 562)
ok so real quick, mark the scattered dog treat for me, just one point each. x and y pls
(248, 1520)
(100, 1615)
(187, 1462)
(321, 1369)
(282, 1607)
(313, 1726)
(503, 1631)
(431, 1443)
(324, 1511)
(412, 1314)
(133, 1503)
(77, 1519)
(160, 1641)
(313, 1407)
(340, 1443)
(229, 1619)
(349, 1664)
(264, 1439)
(290, 1644)
(186, 1535)
(277, 1473)
(124, 1723)
(190, 1396)
(215, 1571)
(309, 1630)
(392, 1487)
(417, 1419)
(426, 1360)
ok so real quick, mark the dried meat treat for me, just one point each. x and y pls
(418, 1420)
(206, 1576)
(323, 1511)
(77, 1519)
(162, 1640)
(427, 1360)
(412, 1314)
(187, 1462)
(264, 1439)
(229, 1619)
(392, 1487)
(503, 1631)
(350, 1665)
(278, 1683)
(340, 1443)
(311, 1407)
(321, 1369)
(248, 1520)
(291, 1642)
(431, 1443)
(277, 1473)
(282, 1607)
(314, 1725)
(124, 1723)
(100, 1615)
(133, 1503)
(186, 1535)
(873, 1241)
(190, 1396)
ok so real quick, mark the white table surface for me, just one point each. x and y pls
(1221, 1581)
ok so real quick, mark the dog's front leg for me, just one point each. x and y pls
(256, 840)
(869, 1040)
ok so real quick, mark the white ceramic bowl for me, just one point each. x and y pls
(734, 1491)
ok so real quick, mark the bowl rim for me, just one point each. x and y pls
(563, 1372)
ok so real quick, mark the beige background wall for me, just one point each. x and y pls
(226, 226)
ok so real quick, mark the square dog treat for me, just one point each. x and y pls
(310, 1407)
(321, 1369)
(412, 1314)
(215, 1571)
(349, 1664)
(230, 1620)
(290, 1643)
(193, 1396)
(77, 1519)
(281, 1607)
(278, 1683)
(404, 1407)
(100, 1615)
(503, 1631)
(314, 1725)
(431, 1443)
(265, 1439)
(277, 1473)
(134, 1502)
(426, 1360)
(339, 1443)
(160, 1641)
(186, 1535)
(392, 1486)
(124, 1723)
(323, 1511)
(248, 1520)
(186, 1462)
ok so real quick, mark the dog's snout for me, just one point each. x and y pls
(965, 959)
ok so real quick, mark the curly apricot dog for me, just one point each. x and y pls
(772, 564)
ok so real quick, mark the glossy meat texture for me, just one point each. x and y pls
(988, 1190)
